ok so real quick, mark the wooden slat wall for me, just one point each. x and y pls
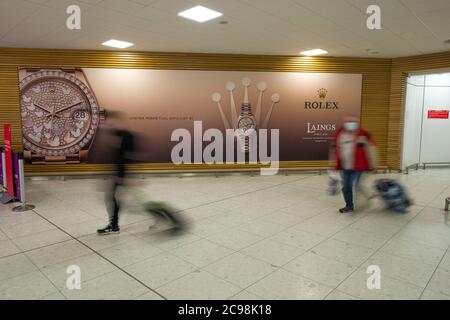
(401, 67)
(375, 95)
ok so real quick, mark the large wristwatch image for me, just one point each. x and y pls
(60, 115)
(246, 123)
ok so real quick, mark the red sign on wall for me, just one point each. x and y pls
(437, 114)
(8, 159)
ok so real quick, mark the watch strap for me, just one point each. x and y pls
(44, 159)
(246, 109)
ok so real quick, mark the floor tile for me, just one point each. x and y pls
(445, 262)
(286, 285)
(240, 270)
(245, 295)
(26, 229)
(231, 219)
(329, 272)
(57, 253)
(112, 286)
(168, 241)
(10, 219)
(235, 239)
(99, 242)
(273, 252)
(391, 289)
(68, 217)
(54, 296)
(303, 211)
(41, 239)
(130, 252)
(203, 212)
(15, 265)
(207, 227)
(160, 270)
(207, 287)
(91, 266)
(202, 252)
(3, 236)
(412, 271)
(432, 295)
(32, 285)
(439, 282)
(283, 218)
(362, 238)
(7, 248)
(324, 229)
(262, 228)
(343, 252)
(85, 228)
(337, 295)
(414, 251)
(390, 217)
(375, 227)
(298, 238)
(149, 296)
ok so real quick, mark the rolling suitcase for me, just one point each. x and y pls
(393, 194)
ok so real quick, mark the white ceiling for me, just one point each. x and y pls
(409, 27)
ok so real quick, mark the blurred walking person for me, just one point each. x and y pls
(354, 154)
(123, 151)
(122, 148)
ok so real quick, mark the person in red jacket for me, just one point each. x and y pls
(354, 153)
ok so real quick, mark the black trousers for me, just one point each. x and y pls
(113, 204)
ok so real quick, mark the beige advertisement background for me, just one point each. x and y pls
(156, 102)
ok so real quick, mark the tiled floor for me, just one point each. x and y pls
(277, 237)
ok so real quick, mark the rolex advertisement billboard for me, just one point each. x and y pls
(176, 113)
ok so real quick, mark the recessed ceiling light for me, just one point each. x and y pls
(314, 52)
(117, 44)
(200, 14)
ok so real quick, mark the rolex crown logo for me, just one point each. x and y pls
(322, 93)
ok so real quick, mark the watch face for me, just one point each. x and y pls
(246, 123)
(59, 113)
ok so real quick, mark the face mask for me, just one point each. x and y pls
(351, 126)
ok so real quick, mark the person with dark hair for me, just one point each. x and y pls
(354, 154)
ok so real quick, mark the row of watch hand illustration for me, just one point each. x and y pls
(246, 122)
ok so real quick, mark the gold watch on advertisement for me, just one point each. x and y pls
(247, 123)
(60, 115)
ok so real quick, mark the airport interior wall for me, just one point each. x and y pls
(382, 93)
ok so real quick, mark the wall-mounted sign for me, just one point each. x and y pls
(438, 114)
(62, 109)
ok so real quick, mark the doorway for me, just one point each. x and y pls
(426, 133)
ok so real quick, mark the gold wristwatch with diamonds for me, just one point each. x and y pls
(60, 115)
